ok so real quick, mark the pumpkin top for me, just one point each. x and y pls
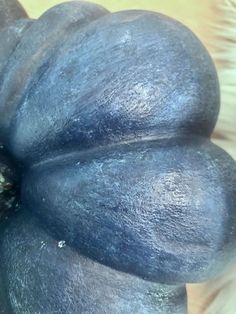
(82, 78)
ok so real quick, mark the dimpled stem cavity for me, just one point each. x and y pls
(9, 181)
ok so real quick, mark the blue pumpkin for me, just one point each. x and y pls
(124, 198)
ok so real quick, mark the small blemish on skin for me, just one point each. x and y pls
(61, 244)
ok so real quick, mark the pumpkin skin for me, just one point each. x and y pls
(61, 280)
(108, 116)
(10, 10)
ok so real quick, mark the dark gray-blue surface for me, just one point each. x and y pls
(43, 277)
(10, 10)
(108, 116)
(164, 211)
(126, 76)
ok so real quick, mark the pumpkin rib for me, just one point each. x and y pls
(108, 116)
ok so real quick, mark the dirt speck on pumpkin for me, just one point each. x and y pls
(61, 244)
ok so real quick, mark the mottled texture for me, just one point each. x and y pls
(60, 280)
(109, 116)
(10, 10)
(162, 210)
(9, 185)
(125, 76)
(40, 42)
(9, 39)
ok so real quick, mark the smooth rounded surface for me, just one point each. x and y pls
(124, 76)
(9, 39)
(160, 210)
(32, 54)
(108, 115)
(10, 10)
(46, 277)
